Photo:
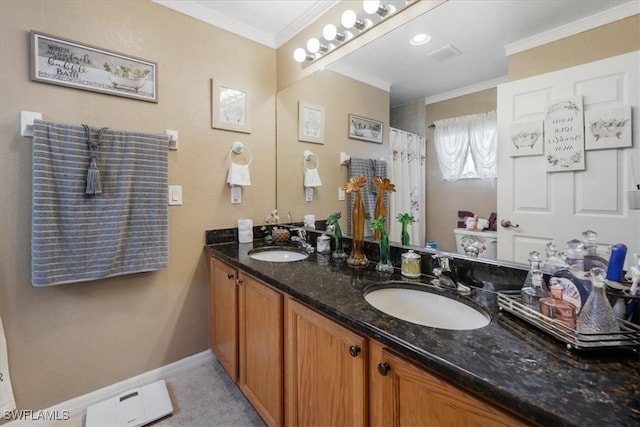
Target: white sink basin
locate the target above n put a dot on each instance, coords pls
(278, 254)
(427, 309)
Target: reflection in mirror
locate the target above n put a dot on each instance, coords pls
(429, 90)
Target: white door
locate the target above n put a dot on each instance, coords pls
(559, 206)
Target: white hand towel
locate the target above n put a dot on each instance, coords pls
(312, 178)
(245, 230)
(7, 402)
(238, 175)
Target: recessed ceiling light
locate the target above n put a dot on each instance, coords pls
(419, 39)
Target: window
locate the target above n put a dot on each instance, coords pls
(466, 147)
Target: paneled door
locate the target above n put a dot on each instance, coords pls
(559, 206)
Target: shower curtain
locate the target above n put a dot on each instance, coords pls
(407, 171)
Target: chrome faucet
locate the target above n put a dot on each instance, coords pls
(301, 239)
(447, 277)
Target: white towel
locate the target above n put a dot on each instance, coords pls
(238, 175)
(7, 402)
(312, 178)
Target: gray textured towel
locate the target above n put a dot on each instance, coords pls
(123, 230)
(371, 169)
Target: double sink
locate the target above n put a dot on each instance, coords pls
(409, 301)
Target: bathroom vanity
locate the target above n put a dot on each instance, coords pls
(305, 347)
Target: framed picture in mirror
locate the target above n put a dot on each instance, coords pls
(311, 123)
(231, 107)
(365, 129)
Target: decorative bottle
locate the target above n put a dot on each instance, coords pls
(534, 266)
(404, 220)
(332, 220)
(384, 264)
(597, 316)
(591, 257)
(575, 288)
(552, 263)
(556, 308)
(533, 292)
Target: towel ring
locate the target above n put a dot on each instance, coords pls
(308, 155)
(238, 148)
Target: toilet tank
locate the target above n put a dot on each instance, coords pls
(485, 241)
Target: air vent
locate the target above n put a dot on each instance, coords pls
(445, 53)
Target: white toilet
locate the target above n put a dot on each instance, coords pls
(486, 242)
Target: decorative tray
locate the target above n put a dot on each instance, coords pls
(629, 335)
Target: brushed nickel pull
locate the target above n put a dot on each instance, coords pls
(506, 223)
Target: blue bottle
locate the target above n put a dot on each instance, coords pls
(616, 262)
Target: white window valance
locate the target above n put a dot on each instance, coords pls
(466, 147)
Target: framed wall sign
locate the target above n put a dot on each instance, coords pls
(608, 127)
(365, 129)
(311, 123)
(231, 107)
(526, 139)
(564, 134)
(63, 62)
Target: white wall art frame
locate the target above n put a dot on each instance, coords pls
(527, 139)
(311, 120)
(608, 128)
(564, 134)
(230, 107)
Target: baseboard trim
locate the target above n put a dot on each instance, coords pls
(80, 404)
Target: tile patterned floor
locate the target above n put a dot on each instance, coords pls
(202, 396)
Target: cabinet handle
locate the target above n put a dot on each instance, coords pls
(354, 350)
(230, 276)
(239, 282)
(384, 368)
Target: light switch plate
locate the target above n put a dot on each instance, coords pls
(341, 194)
(175, 195)
(173, 139)
(236, 194)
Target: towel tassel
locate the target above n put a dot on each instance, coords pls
(94, 183)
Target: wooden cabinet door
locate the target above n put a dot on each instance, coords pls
(411, 396)
(261, 348)
(223, 306)
(324, 371)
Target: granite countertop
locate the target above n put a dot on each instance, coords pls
(508, 362)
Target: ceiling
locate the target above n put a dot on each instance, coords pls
(482, 30)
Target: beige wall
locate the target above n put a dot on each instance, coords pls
(445, 199)
(72, 339)
(603, 42)
(340, 96)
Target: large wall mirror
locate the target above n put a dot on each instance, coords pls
(419, 87)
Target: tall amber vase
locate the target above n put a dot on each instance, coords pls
(357, 257)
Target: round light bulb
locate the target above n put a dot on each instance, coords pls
(349, 18)
(371, 6)
(313, 45)
(329, 32)
(300, 54)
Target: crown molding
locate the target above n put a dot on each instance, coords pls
(204, 14)
(489, 84)
(585, 24)
(304, 21)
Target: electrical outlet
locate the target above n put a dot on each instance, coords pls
(341, 194)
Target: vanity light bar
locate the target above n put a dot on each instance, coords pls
(349, 20)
